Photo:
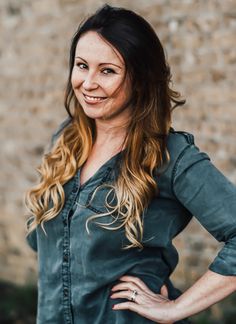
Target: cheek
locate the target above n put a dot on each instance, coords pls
(124, 93)
(76, 79)
(112, 87)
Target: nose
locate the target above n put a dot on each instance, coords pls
(90, 82)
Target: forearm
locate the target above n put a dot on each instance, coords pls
(208, 290)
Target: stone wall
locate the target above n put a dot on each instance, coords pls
(199, 38)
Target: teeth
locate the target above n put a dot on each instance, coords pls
(94, 98)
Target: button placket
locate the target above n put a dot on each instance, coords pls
(67, 215)
(66, 279)
(65, 257)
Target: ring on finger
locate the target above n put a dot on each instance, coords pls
(134, 294)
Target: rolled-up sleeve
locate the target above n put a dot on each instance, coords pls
(211, 198)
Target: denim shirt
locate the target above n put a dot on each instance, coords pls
(77, 270)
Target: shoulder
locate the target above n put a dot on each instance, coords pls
(61, 126)
(177, 141)
(58, 131)
(182, 151)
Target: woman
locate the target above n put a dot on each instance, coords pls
(118, 184)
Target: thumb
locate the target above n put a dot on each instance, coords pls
(164, 291)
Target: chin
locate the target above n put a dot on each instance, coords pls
(94, 112)
(93, 115)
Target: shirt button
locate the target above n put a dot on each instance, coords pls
(65, 292)
(64, 222)
(65, 257)
(74, 190)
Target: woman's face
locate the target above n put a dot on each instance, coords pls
(98, 79)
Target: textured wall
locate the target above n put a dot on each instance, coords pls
(199, 37)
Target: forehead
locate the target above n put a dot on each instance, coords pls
(91, 46)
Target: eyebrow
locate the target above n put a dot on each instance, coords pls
(99, 63)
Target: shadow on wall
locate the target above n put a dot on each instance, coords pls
(18, 305)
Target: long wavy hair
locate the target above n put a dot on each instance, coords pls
(146, 140)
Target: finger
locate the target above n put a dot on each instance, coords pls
(138, 282)
(127, 305)
(125, 286)
(164, 291)
(123, 294)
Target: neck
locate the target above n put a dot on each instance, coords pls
(110, 134)
(112, 128)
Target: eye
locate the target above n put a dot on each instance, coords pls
(82, 66)
(107, 71)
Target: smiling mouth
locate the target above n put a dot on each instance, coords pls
(94, 99)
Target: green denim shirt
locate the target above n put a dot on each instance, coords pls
(77, 269)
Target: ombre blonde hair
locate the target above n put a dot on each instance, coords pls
(152, 102)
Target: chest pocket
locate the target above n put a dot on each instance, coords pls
(102, 199)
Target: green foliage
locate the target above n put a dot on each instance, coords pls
(229, 309)
(224, 312)
(18, 303)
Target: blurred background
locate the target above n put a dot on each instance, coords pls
(199, 39)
